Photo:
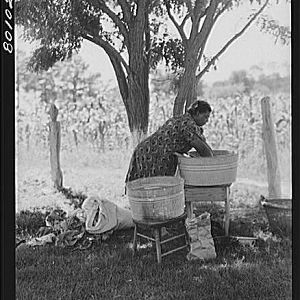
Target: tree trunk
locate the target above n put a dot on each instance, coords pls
(187, 92)
(134, 90)
(138, 115)
(135, 95)
(134, 84)
(138, 79)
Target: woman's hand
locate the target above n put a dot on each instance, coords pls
(202, 147)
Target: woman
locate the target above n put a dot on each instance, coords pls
(155, 156)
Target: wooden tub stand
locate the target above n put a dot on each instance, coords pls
(214, 193)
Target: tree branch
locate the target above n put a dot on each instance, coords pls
(189, 5)
(179, 27)
(199, 12)
(185, 19)
(202, 49)
(110, 50)
(231, 41)
(117, 61)
(211, 27)
(116, 20)
(222, 10)
(208, 22)
(122, 81)
(126, 10)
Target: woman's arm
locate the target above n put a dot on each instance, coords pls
(202, 147)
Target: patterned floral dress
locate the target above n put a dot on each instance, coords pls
(155, 155)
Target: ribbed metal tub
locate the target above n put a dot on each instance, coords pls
(156, 198)
(208, 171)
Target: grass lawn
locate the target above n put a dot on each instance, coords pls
(108, 270)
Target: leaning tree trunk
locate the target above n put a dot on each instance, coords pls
(133, 77)
(134, 90)
(187, 92)
(192, 45)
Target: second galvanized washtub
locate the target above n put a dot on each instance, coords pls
(156, 198)
(220, 169)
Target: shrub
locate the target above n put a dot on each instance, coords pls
(29, 222)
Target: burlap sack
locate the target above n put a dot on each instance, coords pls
(201, 241)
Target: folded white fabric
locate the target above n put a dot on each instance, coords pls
(103, 216)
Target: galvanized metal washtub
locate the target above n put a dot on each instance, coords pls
(221, 169)
(156, 198)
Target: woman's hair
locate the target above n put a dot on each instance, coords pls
(199, 107)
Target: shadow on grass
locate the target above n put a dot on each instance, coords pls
(109, 271)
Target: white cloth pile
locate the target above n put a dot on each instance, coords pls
(103, 216)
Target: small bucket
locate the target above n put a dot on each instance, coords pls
(279, 214)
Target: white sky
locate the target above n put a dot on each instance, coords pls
(253, 48)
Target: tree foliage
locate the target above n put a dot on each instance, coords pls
(194, 21)
(121, 28)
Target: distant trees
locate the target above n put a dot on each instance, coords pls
(275, 83)
(242, 81)
(86, 109)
